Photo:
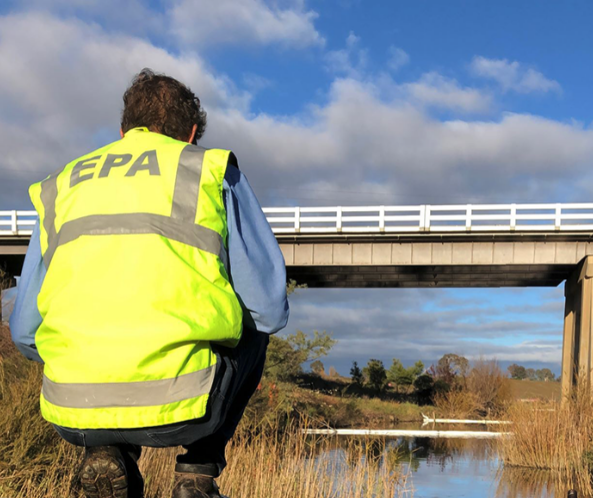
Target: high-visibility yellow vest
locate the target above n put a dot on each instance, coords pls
(133, 236)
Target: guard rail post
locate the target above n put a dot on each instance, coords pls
(13, 223)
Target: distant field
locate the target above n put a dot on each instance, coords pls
(529, 389)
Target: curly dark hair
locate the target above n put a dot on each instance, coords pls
(163, 105)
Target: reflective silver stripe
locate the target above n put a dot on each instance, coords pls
(187, 183)
(141, 223)
(49, 193)
(129, 394)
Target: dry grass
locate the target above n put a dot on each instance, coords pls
(486, 391)
(36, 463)
(289, 465)
(33, 462)
(378, 413)
(535, 389)
(490, 385)
(554, 436)
(457, 404)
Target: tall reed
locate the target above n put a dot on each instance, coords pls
(554, 436)
(290, 465)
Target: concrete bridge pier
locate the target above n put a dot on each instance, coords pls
(577, 361)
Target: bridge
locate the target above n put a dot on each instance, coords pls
(497, 245)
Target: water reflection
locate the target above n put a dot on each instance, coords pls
(527, 483)
(444, 468)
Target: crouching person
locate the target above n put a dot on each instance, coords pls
(149, 288)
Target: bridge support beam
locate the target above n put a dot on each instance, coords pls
(577, 351)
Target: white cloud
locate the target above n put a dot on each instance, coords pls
(76, 72)
(255, 83)
(61, 87)
(397, 58)
(438, 91)
(432, 89)
(197, 23)
(351, 61)
(394, 152)
(373, 141)
(206, 22)
(513, 76)
(410, 324)
(130, 16)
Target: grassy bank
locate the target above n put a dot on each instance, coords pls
(286, 402)
(536, 390)
(35, 463)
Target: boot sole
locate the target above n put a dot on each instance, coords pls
(104, 478)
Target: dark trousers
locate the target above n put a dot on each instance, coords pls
(238, 373)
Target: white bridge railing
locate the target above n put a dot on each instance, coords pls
(425, 218)
(17, 222)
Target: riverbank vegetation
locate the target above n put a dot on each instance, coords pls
(374, 396)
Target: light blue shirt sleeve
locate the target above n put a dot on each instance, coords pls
(257, 269)
(25, 318)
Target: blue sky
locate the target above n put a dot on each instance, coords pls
(335, 103)
(443, 37)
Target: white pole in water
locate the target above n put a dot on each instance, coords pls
(428, 420)
(407, 433)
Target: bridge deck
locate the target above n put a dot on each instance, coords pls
(434, 260)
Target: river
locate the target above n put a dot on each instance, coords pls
(450, 468)
(465, 469)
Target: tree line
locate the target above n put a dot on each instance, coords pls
(440, 375)
(519, 372)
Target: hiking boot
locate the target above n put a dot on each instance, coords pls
(188, 485)
(104, 474)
